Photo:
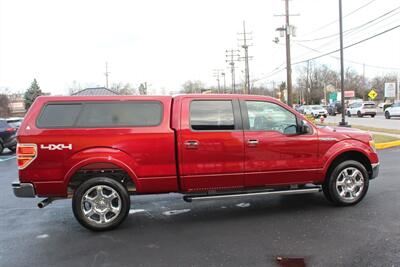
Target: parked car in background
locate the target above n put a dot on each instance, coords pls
(315, 111)
(334, 108)
(393, 111)
(367, 108)
(7, 136)
(383, 106)
(14, 122)
(300, 109)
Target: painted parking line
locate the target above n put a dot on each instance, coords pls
(7, 158)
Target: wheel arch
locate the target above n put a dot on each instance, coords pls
(101, 162)
(356, 155)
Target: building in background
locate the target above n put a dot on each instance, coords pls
(95, 91)
(16, 105)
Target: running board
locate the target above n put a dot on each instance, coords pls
(190, 198)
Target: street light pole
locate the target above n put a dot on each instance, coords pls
(343, 122)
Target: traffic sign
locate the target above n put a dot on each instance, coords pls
(372, 94)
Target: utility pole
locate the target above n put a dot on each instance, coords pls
(287, 31)
(217, 73)
(343, 122)
(224, 90)
(307, 83)
(245, 46)
(288, 60)
(232, 55)
(106, 74)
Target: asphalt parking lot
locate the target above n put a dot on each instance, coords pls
(379, 121)
(162, 230)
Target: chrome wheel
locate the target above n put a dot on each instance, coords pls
(350, 184)
(101, 204)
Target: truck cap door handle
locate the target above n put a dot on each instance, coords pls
(191, 144)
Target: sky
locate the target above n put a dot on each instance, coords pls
(166, 43)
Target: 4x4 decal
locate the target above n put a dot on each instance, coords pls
(56, 146)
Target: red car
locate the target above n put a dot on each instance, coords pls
(99, 150)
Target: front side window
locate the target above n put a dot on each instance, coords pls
(266, 116)
(206, 115)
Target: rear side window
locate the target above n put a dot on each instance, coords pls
(101, 114)
(206, 115)
(59, 115)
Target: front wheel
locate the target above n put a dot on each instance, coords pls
(387, 115)
(347, 184)
(101, 204)
(359, 114)
(348, 114)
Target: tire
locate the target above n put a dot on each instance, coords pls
(348, 114)
(372, 116)
(1, 147)
(387, 115)
(325, 115)
(13, 149)
(347, 184)
(359, 114)
(98, 206)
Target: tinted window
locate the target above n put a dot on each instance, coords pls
(369, 105)
(105, 114)
(266, 116)
(212, 115)
(119, 114)
(59, 115)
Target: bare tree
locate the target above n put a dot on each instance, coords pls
(192, 87)
(123, 89)
(4, 105)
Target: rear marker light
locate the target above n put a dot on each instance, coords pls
(26, 154)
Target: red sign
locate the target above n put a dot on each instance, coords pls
(349, 94)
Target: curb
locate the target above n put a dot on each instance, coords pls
(387, 145)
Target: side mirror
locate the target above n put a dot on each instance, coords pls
(304, 128)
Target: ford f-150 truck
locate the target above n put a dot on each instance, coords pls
(100, 150)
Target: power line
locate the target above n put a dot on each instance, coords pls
(333, 22)
(354, 28)
(349, 60)
(277, 70)
(348, 46)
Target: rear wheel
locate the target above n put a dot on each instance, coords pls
(359, 114)
(347, 184)
(348, 114)
(387, 115)
(1, 147)
(372, 116)
(101, 204)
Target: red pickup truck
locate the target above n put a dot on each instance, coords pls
(100, 150)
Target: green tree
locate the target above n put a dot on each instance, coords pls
(31, 94)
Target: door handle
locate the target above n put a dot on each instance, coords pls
(191, 144)
(252, 142)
